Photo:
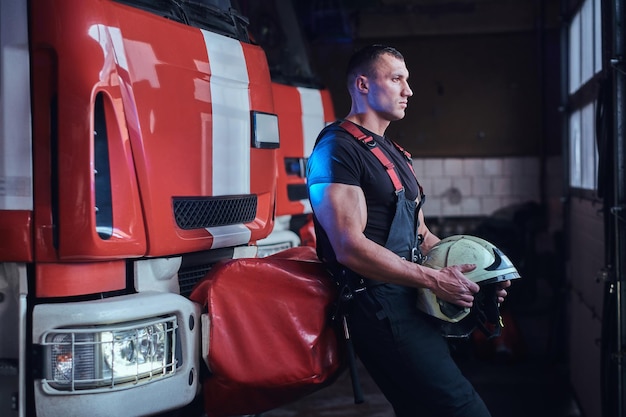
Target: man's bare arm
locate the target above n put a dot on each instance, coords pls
(342, 213)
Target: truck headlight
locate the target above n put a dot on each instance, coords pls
(107, 356)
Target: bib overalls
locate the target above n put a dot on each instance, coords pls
(401, 347)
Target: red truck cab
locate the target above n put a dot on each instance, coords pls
(138, 141)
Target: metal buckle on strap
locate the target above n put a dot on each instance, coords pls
(417, 256)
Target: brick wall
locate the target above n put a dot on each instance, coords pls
(459, 187)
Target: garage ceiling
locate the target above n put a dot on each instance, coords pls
(366, 19)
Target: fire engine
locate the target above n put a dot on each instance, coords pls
(138, 147)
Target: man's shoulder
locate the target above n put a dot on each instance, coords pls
(337, 148)
(334, 131)
(336, 158)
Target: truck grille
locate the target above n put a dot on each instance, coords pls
(196, 265)
(203, 212)
(188, 278)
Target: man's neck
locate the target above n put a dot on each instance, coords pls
(370, 122)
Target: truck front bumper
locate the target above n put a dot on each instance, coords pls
(128, 355)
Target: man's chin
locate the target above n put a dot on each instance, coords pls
(399, 116)
(392, 117)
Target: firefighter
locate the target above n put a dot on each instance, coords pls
(371, 233)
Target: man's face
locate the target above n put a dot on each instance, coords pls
(388, 88)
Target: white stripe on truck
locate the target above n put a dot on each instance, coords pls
(231, 129)
(231, 115)
(312, 117)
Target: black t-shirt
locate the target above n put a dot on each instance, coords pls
(339, 158)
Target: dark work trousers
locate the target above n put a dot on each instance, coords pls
(407, 357)
(401, 347)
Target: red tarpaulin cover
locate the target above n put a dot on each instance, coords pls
(270, 340)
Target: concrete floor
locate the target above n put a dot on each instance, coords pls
(532, 387)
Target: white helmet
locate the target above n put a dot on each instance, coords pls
(492, 266)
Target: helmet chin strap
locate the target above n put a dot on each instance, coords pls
(484, 316)
(487, 311)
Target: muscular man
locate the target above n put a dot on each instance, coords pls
(368, 230)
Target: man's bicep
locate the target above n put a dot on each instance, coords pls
(339, 207)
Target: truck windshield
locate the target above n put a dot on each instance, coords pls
(274, 25)
(219, 16)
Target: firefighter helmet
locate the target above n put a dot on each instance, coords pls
(492, 266)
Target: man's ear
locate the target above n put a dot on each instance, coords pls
(361, 83)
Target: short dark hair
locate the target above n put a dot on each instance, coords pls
(362, 61)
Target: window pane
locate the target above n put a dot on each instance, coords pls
(574, 54)
(587, 56)
(588, 148)
(597, 14)
(575, 174)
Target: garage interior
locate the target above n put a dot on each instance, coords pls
(489, 129)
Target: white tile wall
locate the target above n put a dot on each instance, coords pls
(485, 184)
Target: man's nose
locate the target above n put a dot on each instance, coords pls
(407, 90)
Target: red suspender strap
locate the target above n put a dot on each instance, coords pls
(371, 145)
(407, 155)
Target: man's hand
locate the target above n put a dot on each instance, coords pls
(452, 286)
